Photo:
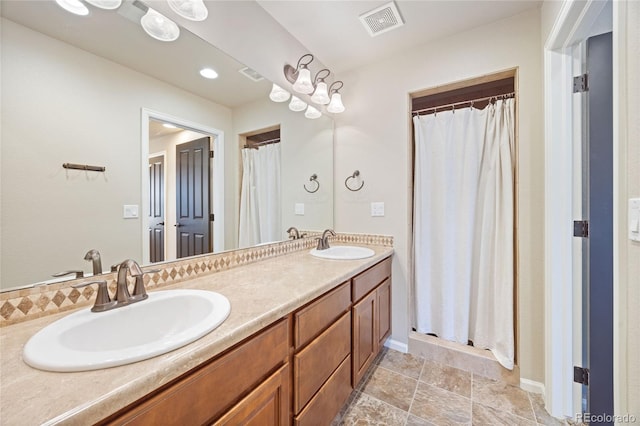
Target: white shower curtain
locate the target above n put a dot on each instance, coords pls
(463, 226)
(260, 200)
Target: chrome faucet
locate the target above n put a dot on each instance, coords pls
(294, 234)
(122, 289)
(93, 256)
(122, 297)
(323, 242)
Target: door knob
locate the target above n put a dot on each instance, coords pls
(161, 224)
(178, 225)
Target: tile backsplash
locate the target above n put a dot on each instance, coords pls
(29, 303)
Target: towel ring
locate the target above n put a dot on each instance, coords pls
(313, 178)
(353, 176)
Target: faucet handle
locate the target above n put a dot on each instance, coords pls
(103, 301)
(139, 291)
(79, 274)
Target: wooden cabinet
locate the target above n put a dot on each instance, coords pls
(371, 312)
(300, 369)
(208, 391)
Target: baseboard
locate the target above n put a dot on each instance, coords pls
(532, 386)
(396, 346)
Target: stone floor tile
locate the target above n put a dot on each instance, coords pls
(440, 406)
(391, 387)
(542, 416)
(502, 397)
(407, 364)
(483, 415)
(446, 377)
(366, 410)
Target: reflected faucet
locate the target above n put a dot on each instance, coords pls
(93, 256)
(294, 234)
(323, 242)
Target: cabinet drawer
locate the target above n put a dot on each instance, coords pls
(311, 320)
(315, 363)
(326, 404)
(370, 279)
(208, 392)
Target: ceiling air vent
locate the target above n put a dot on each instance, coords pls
(251, 74)
(382, 19)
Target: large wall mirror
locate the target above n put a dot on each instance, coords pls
(97, 90)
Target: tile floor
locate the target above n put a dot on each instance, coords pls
(401, 389)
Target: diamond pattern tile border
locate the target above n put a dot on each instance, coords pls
(25, 304)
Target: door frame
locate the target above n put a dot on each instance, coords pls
(563, 310)
(216, 189)
(162, 154)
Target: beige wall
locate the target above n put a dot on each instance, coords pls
(627, 285)
(373, 135)
(61, 104)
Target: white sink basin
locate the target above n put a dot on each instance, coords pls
(88, 340)
(343, 253)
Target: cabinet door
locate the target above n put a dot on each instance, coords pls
(267, 405)
(384, 311)
(365, 336)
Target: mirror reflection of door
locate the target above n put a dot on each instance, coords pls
(192, 200)
(156, 208)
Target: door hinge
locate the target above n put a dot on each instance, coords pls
(580, 83)
(581, 228)
(211, 217)
(210, 154)
(581, 375)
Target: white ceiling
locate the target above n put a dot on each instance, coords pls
(333, 33)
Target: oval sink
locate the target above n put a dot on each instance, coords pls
(343, 253)
(88, 340)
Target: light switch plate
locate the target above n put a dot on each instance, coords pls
(377, 209)
(299, 209)
(634, 219)
(130, 211)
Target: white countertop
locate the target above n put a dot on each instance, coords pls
(260, 293)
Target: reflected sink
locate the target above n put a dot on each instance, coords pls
(343, 253)
(88, 340)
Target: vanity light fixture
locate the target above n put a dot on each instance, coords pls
(105, 4)
(74, 6)
(312, 113)
(320, 95)
(336, 106)
(159, 26)
(194, 10)
(296, 104)
(300, 76)
(208, 73)
(278, 94)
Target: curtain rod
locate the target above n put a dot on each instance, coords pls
(470, 101)
(256, 145)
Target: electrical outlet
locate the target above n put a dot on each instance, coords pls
(377, 209)
(130, 211)
(299, 209)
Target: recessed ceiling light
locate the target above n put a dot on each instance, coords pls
(169, 126)
(208, 73)
(74, 6)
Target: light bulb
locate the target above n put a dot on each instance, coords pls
(105, 4)
(335, 106)
(74, 6)
(278, 94)
(194, 10)
(208, 73)
(159, 26)
(296, 104)
(311, 112)
(321, 96)
(303, 83)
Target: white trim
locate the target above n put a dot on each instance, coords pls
(573, 25)
(218, 172)
(396, 345)
(162, 154)
(532, 386)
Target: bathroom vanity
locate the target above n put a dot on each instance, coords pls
(301, 333)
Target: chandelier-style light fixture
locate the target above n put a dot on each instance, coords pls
(159, 26)
(300, 78)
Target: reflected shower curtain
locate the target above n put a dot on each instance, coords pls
(463, 226)
(260, 200)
